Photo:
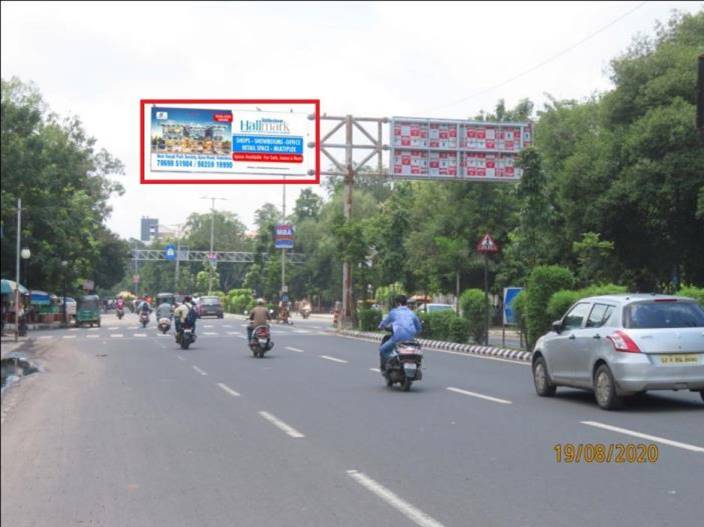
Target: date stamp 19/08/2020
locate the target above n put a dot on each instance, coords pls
(620, 453)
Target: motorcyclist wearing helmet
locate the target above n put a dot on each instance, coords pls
(405, 325)
(259, 316)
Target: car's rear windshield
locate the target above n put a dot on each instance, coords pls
(664, 314)
(211, 301)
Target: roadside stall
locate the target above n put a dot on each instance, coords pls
(42, 308)
(8, 289)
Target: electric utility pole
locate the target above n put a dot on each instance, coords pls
(17, 269)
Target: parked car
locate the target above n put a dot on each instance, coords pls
(620, 345)
(210, 306)
(70, 306)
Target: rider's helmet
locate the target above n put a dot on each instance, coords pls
(260, 301)
(186, 298)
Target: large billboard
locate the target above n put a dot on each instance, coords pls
(230, 142)
(457, 150)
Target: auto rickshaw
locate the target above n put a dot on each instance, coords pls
(169, 298)
(88, 310)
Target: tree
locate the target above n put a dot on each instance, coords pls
(64, 184)
(307, 206)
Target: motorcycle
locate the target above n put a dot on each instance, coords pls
(185, 336)
(404, 365)
(164, 325)
(260, 342)
(120, 311)
(305, 311)
(144, 319)
(283, 317)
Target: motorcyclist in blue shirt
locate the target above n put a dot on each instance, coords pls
(404, 324)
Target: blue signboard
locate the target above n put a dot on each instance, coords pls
(170, 252)
(510, 294)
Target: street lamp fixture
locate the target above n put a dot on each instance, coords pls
(25, 253)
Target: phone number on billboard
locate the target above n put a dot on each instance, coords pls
(199, 164)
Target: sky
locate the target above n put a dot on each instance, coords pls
(96, 60)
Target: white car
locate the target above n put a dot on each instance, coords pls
(70, 306)
(434, 308)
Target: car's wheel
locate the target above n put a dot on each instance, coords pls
(541, 379)
(605, 389)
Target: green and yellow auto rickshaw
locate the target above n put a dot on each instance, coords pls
(88, 310)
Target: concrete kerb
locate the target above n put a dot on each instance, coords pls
(489, 351)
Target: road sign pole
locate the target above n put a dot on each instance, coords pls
(178, 258)
(486, 297)
(347, 211)
(17, 270)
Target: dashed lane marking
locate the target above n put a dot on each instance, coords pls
(116, 335)
(414, 514)
(333, 359)
(228, 389)
(656, 439)
(478, 395)
(294, 349)
(278, 423)
(199, 370)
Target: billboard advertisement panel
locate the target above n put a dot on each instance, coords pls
(230, 142)
(283, 237)
(458, 150)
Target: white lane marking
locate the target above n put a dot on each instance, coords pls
(228, 389)
(479, 395)
(199, 370)
(414, 514)
(208, 326)
(655, 439)
(113, 328)
(209, 332)
(227, 325)
(139, 335)
(377, 370)
(45, 337)
(301, 331)
(93, 329)
(333, 359)
(73, 329)
(69, 336)
(116, 335)
(163, 335)
(179, 357)
(294, 349)
(92, 336)
(278, 423)
(234, 333)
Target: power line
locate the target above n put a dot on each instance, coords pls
(546, 61)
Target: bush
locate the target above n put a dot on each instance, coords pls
(543, 282)
(444, 325)
(697, 293)
(473, 305)
(369, 319)
(239, 300)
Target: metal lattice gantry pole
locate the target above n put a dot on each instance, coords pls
(349, 169)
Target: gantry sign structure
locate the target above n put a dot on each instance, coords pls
(430, 149)
(152, 255)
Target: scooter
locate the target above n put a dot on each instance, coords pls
(404, 365)
(260, 342)
(305, 311)
(185, 336)
(164, 325)
(144, 319)
(120, 313)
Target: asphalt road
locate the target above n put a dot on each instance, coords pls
(125, 429)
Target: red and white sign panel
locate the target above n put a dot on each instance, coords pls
(487, 245)
(460, 150)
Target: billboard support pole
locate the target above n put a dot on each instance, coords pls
(348, 171)
(283, 250)
(486, 297)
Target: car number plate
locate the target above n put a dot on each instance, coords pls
(679, 359)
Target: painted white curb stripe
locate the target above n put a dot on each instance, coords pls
(199, 370)
(333, 359)
(278, 423)
(228, 389)
(294, 349)
(479, 395)
(414, 514)
(655, 439)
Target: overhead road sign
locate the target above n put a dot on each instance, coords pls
(457, 149)
(170, 252)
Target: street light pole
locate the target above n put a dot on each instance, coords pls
(212, 238)
(17, 270)
(64, 266)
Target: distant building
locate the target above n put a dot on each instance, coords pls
(150, 229)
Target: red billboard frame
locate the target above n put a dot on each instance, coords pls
(315, 181)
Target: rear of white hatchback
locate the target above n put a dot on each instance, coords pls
(620, 345)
